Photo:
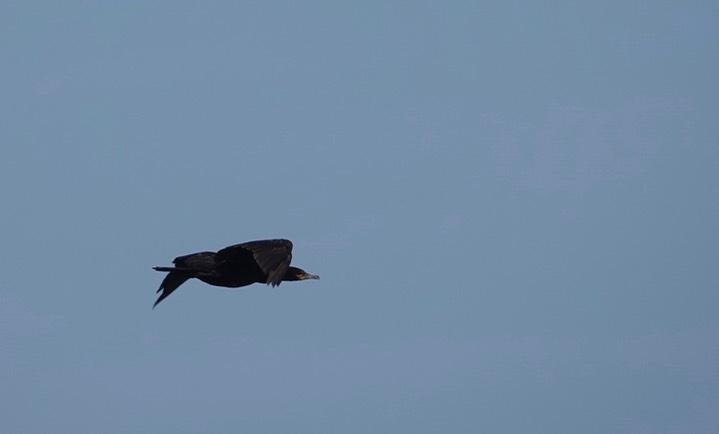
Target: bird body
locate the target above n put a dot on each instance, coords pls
(263, 261)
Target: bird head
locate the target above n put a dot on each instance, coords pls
(294, 273)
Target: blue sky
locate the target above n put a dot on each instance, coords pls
(513, 208)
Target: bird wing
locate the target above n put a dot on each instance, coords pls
(272, 256)
(186, 267)
(201, 262)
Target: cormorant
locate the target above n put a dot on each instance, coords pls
(263, 261)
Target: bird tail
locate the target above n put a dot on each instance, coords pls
(171, 282)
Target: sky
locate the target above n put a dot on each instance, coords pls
(513, 208)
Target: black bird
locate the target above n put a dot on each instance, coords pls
(264, 261)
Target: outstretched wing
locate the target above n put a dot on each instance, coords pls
(273, 257)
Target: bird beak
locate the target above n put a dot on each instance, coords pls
(309, 276)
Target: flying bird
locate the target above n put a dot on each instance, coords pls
(263, 261)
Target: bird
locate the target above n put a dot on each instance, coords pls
(261, 261)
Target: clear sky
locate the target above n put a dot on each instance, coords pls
(513, 206)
